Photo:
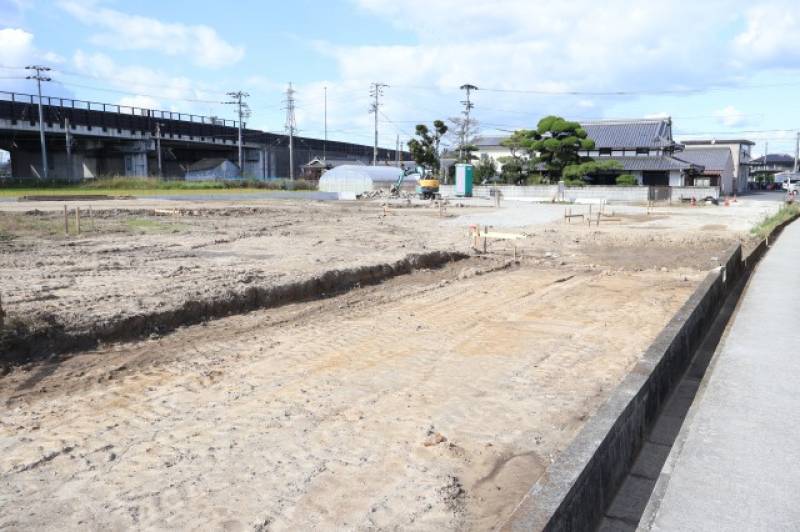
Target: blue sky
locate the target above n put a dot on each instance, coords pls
(719, 68)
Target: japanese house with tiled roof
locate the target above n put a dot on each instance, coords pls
(646, 149)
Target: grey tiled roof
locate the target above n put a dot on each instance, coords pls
(630, 134)
(615, 134)
(718, 141)
(709, 158)
(774, 158)
(489, 141)
(650, 162)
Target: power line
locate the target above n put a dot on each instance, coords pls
(127, 81)
(130, 93)
(687, 90)
(396, 126)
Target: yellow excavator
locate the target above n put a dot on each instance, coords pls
(427, 185)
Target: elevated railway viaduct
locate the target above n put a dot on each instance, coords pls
(89, 139)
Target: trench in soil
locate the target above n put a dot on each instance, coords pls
(19, 344)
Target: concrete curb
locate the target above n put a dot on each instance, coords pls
(578, 487)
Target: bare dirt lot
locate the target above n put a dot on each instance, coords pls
(431, 400)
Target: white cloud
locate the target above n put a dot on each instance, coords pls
(124, 31)
(771, 37)
(142, 102)
(580, 46)
(150, 88)
(17, 50)
(659, 115)
(17, 46)
(730, 116)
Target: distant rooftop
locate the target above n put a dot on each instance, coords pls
(717, 141)
(716, 159)
(489, 141)
(629, 134)
(774, 158)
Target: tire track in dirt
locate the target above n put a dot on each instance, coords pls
(322, 414)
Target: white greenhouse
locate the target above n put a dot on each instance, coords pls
(354, 179)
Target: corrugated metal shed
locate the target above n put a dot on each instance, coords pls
(212, 168)
(712, 159)
(630, 134)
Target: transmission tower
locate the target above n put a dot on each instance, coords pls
(468, 106)
(291, 126)
(39, 77)
(241, 110)
(376, 91)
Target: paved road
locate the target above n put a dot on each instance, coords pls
(736, 462)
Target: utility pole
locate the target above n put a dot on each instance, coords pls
(376, 91)
(468, 105)
(158, 150)
(397, 151)
(68, 139)
(290, 126)
(325, 142)
(39, 79)
(796, 152)
(238, 97)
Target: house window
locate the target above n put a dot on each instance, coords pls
(605, 151)
(642, 151)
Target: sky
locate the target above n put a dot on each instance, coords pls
(720, 69)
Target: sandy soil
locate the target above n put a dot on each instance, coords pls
(432, 401)
(135, 262)
(131, 261)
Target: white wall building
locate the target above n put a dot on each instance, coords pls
(740, 152)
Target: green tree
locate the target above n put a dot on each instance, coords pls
(589, 168)
(627, 180)
(557, 143)
(519, 142)
(485, 169)
(512, 170)
(425, 147)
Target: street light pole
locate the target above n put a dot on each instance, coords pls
(39, 79)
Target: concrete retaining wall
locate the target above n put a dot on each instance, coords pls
(610, 194)
(544, 192)
(694, 192)
(580, 485)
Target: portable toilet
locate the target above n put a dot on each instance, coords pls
(464, 180)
